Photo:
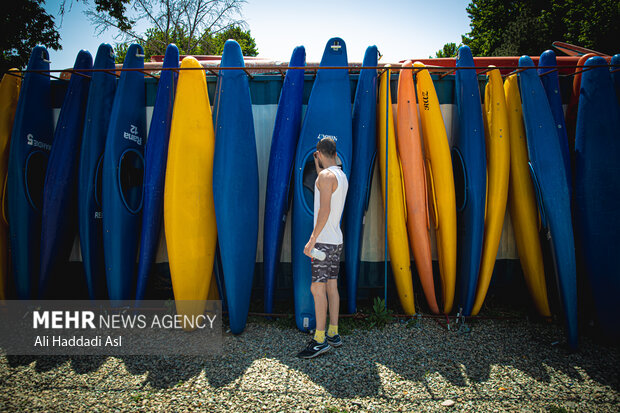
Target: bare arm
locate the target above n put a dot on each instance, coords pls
(326, 183)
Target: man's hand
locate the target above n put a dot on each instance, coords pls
(309, 246)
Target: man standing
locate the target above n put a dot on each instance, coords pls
(330, 192)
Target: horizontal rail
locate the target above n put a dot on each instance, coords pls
(442, 70)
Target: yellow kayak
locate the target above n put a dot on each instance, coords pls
(498, 172)
(398, 241)
(440, 182)
(9, 94)
(522, 202)
(189, 212)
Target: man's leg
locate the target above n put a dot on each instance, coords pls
(320, 308)
(334, 298)
(334, 301)
(320, 274)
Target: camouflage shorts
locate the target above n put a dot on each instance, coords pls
(329, 267)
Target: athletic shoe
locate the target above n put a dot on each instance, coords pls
(334, 341)
(314, 349)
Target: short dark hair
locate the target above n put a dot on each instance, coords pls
(327, 146)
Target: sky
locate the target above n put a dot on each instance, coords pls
(401, 29)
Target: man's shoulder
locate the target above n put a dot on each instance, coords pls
(327, 174)
(327, 179)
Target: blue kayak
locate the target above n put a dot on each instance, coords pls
(122, 172)
(59, 213)
(281, 157)
(156, 155)
(597, 189)
(31, 141)
(551, 84)
(470, 179)
(98, 110)
(615, 74)
(235, 185)
(362, 168)
(328, 115)
(552, 188)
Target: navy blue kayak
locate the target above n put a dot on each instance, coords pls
(328, 115)
(551, 84)
(470, 179)
(31, 141)
(156, 155)
(362, 168)
(97, 119)
(122, 173)
(281, 157)
(235, 185)
(597, 189)
(552, 188)
(615, 74)
(59, 213)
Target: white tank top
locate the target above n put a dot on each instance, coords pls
(331, 233)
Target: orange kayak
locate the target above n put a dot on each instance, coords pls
(410, 153)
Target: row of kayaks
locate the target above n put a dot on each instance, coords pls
(97, 173)
(94, 174)
(521, 133)
(513, 150)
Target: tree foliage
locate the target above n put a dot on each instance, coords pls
(195, 26)
(190, 24)
(25, 24)
(156, 43)
(244, 38)
(116, 10)
(517, 27)
(448, 50)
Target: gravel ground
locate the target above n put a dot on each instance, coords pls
(501, 365)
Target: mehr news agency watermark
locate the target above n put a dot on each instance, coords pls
(111, 328)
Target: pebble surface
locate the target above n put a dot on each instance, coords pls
(501, 365)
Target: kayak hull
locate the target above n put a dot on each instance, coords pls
(440, 180)
(156, 154)
(362, 167)
(59, 213)
(281, 158)
(189, 211)
(31, 141)
(235, 185)
(122, 172)
(553, 192)
(97, 119)
(394, 197)
(470, 180)
(597, 189)
(328, 114)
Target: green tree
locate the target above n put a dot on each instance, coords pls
(25, 24)
(516, 27)
(448, 50)
(215, 44)
(156, 43)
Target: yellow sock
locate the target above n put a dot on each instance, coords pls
(332, 330)
(319, 336)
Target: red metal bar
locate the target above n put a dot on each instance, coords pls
(444, 71)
